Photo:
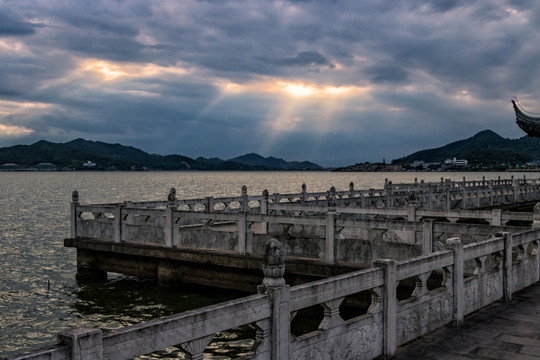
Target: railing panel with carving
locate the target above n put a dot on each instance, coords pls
(183, 328)
(357, 338)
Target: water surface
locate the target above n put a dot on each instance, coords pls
(38, 292)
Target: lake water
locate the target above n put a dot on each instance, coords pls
(38, 292)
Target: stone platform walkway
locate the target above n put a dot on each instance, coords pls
(501, 331)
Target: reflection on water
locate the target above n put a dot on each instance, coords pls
(38, 292)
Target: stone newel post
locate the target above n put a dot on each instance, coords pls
(74, 204)
(304, 193)
(169, 222)
(536, 216)
(264, 211)
(280, 293)
(330, 249)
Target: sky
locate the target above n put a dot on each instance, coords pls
(334, 82)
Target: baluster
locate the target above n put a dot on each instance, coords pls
(262, 336)
(376, 298)
(480, 265)
(421, 288)
(520, 253)
(448, 276)
(332, 318)
(533, 249)
(195, 348)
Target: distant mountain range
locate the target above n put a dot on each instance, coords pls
(486, 147)
(73, 154)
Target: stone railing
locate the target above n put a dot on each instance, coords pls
(329, 233)
(443, 195)
(441, 293)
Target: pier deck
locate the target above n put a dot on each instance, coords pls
(503, 330)
(210, 240)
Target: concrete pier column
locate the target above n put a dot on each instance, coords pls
(83, 343)
(457, 280)
(389, 304)
(89, 266)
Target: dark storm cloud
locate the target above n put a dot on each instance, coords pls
(301, 59)
(432, 72)
(386, 73)
(12, 25)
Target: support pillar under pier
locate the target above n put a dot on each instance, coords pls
(90, 274)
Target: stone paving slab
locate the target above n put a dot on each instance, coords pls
(500, 331)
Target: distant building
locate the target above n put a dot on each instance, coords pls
(9, 166)
(456, 162)
(89, 165)
(46, 166)
(393, 167)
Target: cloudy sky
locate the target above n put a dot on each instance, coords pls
(334, 81)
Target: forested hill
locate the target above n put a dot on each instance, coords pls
(106, 156)
(486, 147)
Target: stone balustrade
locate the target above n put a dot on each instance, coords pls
(443, 195)
(329, 232)
(442, 293)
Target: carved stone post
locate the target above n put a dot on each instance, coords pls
(389, 304)
(264, 211)
(427, 237)
(169, 222)
(74, 204)
(209, 204)
(118, 223)
(245, 199)
(304, 193)
(389, 191)
(280, 293)
(507, 267)
(536, 216)
(242, 233)
(457, 280)
(496, 217)
(83, 343)
(330, 251)
(515, 189)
